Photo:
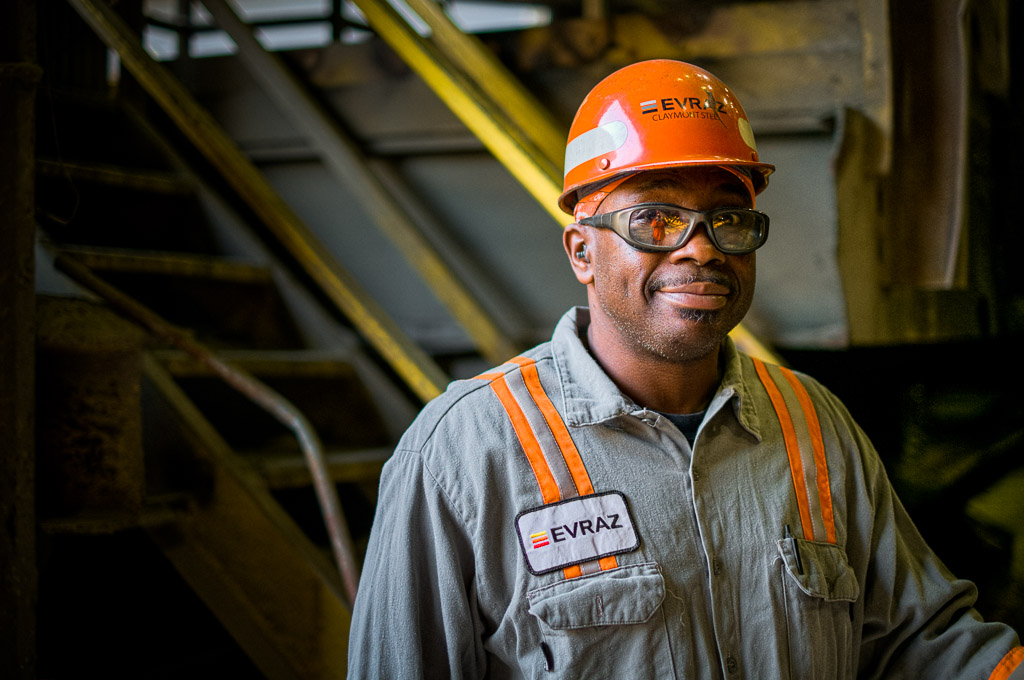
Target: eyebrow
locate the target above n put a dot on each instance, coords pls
(656, 183)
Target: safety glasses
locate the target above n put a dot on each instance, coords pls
(660, 227)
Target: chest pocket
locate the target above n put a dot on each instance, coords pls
(609, 624)
(817, 592)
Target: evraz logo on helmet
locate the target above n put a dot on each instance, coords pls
(669, 108)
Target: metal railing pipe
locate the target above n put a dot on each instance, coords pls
(262, 395)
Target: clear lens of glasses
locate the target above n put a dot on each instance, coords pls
(666, 227)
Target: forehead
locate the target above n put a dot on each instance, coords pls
(697, 188)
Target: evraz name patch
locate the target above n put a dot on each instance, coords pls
(575, 531)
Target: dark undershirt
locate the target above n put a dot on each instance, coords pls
(688, 423)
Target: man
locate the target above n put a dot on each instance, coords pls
(637, 498)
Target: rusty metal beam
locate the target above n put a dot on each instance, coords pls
(422, 375)
(19, 77)
(349, 166)
(876, 71)
(862, 224)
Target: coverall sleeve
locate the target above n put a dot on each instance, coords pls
(415, 613)
(919, 620)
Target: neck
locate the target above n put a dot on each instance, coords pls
(654, 382)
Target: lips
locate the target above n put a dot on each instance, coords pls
(697, 288)
(710, 291)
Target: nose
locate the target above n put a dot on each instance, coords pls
(698, 248)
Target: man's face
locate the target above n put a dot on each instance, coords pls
(676, 306)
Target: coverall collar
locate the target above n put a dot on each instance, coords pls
(590, 397)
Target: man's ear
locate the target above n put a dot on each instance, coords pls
(577, 242)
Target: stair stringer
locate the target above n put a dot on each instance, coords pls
(271, 588)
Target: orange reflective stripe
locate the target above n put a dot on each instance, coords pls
(796, 466)
(546, 482)
(570, 454)
(818, 444)
(1008, 665)
(535, 452)
(575, 571)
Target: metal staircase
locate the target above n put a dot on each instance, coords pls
(177, 455)
(180, 525)
(221, 488)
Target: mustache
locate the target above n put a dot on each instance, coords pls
(701, 276)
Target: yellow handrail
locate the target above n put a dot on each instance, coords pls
(418, 371)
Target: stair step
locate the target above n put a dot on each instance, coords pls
(155, 181)
(325, 387)
(101, 181)
(170, 264)
(262, 363)
(247, 559)
(158, 510)
(78, 125)
(288, 470)
(72, 211)
(227, 302)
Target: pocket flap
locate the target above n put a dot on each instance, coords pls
(826, 569)
(618, 596)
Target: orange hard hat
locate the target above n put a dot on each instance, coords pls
(657, 114)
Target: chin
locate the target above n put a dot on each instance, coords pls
(701, 316)
(686, 347)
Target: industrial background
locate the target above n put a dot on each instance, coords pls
(243, 241)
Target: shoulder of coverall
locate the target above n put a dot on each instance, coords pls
(466, 404)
